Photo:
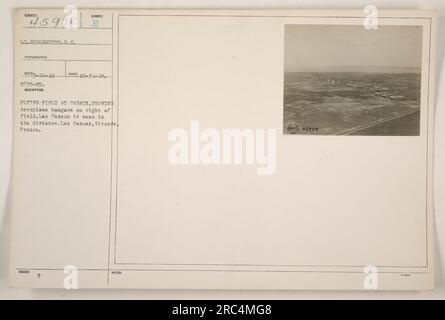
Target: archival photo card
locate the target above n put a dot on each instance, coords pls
(348, 80)
(152, 149)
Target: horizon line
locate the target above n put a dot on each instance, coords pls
(346, 68)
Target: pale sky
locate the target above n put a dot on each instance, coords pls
(343, 48)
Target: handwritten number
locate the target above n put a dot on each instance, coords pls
(56, 21)
(44, 22)
(33, 22)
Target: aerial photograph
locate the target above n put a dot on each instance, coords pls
(347, 80)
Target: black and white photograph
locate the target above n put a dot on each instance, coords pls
(225, 158)
(348, 80)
